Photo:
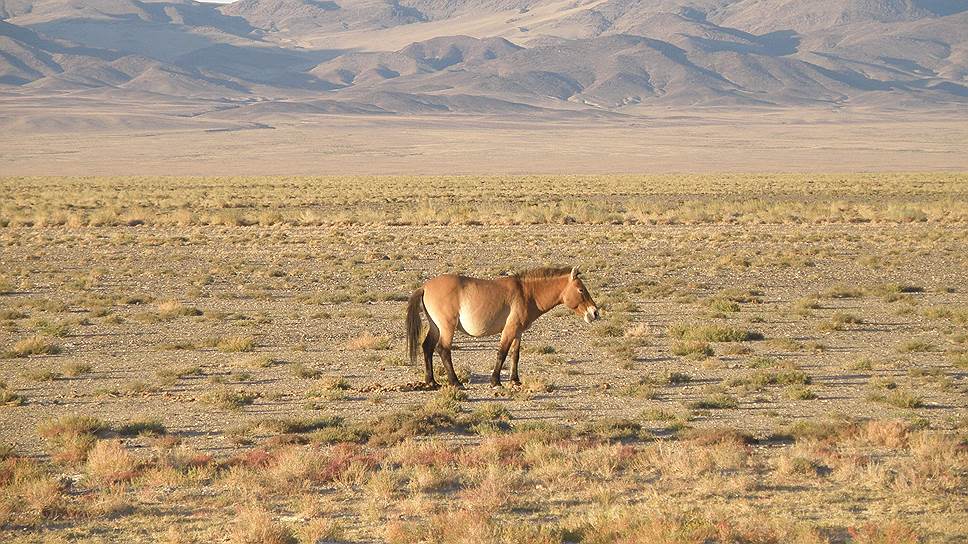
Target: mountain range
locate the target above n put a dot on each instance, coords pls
(253, 58)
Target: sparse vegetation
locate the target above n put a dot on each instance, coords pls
(367, 341)
(839, 322)
(302, 371)
(171, 309)
(254, 525)
(716, 401)
(234, 344)
(228, 399)
(292, 388)
(722, 305)
(805, 304)
(896, 397)
(785, 376)
(916, 346)
(692, 348)
(78, 369)
(71, 436)
(644, 389)
(711, 333)
(171, 375)
(799, 392)
(34, 345)
(57, 329)
(844, 291)
(10, 398)
(42, 375)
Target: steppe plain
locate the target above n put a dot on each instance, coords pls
(194, 359)
(69, 137)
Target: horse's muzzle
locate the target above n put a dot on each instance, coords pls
(592, 314)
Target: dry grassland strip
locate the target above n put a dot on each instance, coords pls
(782, 359)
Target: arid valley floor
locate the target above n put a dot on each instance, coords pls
(73, 137)
(782, 358)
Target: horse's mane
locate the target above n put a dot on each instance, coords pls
(542, 273)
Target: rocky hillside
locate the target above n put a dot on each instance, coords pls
(501, 56)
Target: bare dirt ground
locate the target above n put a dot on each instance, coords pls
(791, 352)
(86, 137)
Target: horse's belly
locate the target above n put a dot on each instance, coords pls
(482, 323)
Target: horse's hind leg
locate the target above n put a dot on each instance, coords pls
(446, 342)
(429, 346)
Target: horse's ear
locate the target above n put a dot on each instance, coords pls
(574, 273)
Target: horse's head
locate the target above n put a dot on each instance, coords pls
(576, 297)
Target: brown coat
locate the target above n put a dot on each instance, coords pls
(479, 307)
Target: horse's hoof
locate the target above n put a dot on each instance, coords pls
(432, 386)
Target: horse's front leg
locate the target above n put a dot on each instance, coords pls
(502, 354)
(515, 355)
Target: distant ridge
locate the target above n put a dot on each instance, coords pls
(494, 57)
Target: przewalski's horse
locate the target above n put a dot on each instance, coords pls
(506, 305)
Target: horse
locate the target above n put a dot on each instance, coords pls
(481, 307)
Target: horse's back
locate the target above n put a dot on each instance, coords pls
(457, 285)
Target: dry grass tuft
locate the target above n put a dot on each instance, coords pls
(900, 398)
(639, 330)
(228, 399)
(34, 345)
(71, 436)
(43, 499)
(111, 502)
(292, 466)
(366, 341)
(884, 532)
(70, 424)
(889, 433)
(10, 398)
(108, 462)
(715, 401)
(839, 321)
(78, 369)
(319, 530)
(170, 309)
(711, 333)
(305, 372)
(717, 435)
(256, 526)
(493, 492)
(937, 464)
(824, 430)
(693, 349)
(42, 375)
(235, 344)
(916, 346)
(844, 291)
(799, 392)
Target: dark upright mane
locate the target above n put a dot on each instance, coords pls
(542, 273)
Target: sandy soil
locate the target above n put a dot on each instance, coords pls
(91, 139)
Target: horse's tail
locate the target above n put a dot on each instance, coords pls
(413, 324)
